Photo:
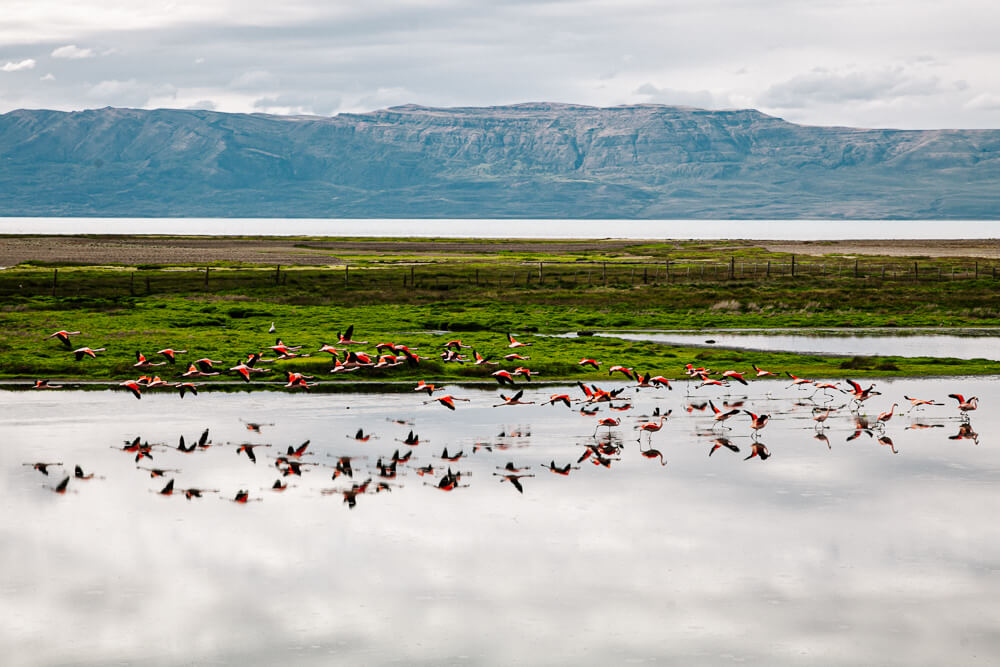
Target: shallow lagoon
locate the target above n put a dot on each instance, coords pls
(839, 554)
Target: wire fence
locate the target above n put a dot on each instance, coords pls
(445, 275)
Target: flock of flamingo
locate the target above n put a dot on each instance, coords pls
(603, 447)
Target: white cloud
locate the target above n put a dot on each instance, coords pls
(48, 77)
(985, 101)
(27, 63)
(72, 52)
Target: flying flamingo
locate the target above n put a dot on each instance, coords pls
(919, 403)
(133, 387)
(513, 343)
(63, 336)
(965, 406)
(447, 401)
(762, 373)
(797, 381)
(514, 479)
(82, 352)
(560, 470)
(514, 400)
(721, 416)
(170, 354)
(627, 372)
(593, 363)
(559, 398)
(45, 384)
(733, 375)
(345, 339)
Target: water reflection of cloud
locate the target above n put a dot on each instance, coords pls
(846, 555)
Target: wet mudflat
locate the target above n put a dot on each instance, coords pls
(840, 548)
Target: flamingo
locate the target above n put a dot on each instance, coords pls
(361, 436)
(483, 361)
(184, 387)
(757, 421)
(886, 416)
(651, 427)
(762, 373)
(861, 395)
(797, 381)
(965, 406)
(919, 403)
(249, 451)
(411, 439)
(525, 372)
(514, 479)
(733, 375)
(133, 387)
(514, 400)
(194, 372)
(607, 421)
(660, 381)
(559, 398)
(168, 489)
(456, 343)
(627, 372)
(82, 352)
(721, 416)
(43, 467)
(205, 365)
(560, 470)
(447, 401)
(346, 337)
(451, 457)
(593, 363)
(820, 415)
(63, 336)
(512, 343)
(45, 384)
(503, 377)
(514, 356)
(170, 354)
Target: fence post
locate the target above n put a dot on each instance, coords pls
(793, 266)
(855, 268)
(668, 271)
(604, 274)
(732, 267)
(55, 280)
(977, 270)
(539, 273)
(916, 276)
(206, 276)
(411, 276)
(277, 274)
(347, 274)
(768, 268)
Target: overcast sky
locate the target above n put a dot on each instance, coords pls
(870, 63)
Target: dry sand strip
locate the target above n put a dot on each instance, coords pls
(137, 250)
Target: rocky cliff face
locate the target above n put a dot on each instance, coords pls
(526, 160)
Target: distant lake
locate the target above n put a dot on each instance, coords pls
(791, 230)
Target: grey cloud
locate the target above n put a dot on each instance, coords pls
(130, 93)
(702, 99)
(824, 86)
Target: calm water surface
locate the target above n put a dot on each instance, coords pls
(793, 230)
(981, 345)
(830, 552)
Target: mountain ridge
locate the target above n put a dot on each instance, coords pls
(534, 159)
